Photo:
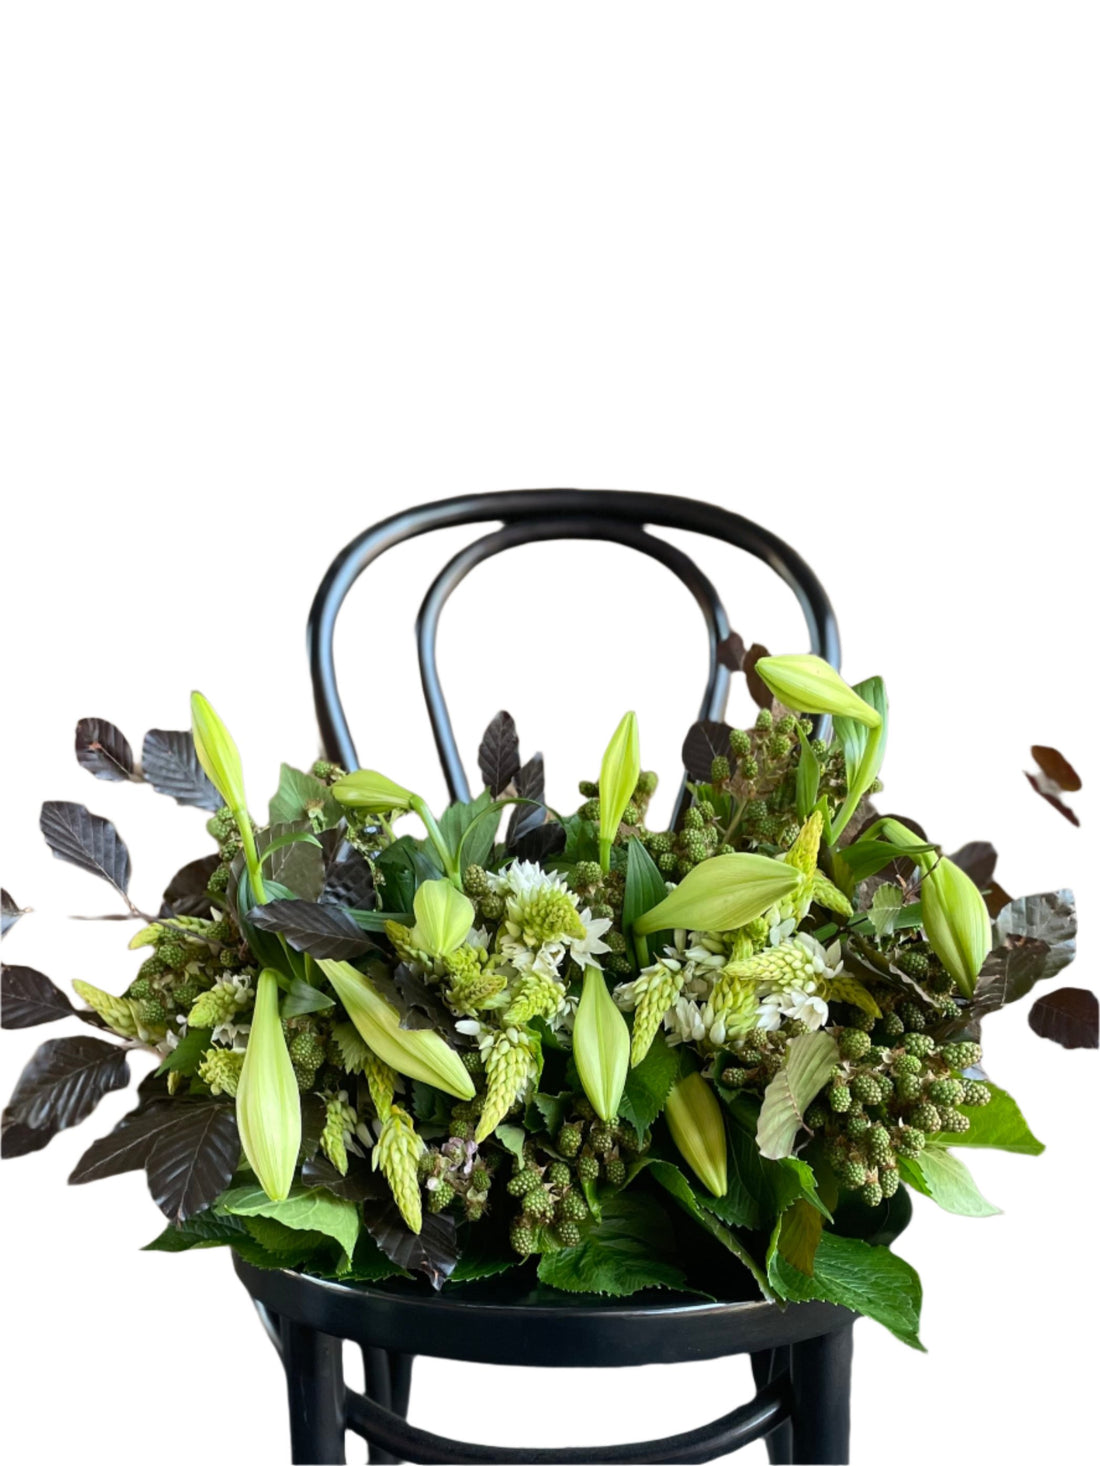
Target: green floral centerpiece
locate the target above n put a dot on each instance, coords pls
(712, 1059)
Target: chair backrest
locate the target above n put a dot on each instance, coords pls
(529, 515)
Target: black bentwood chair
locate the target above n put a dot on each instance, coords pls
(801, 1354)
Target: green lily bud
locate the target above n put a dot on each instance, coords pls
(269, 1112)
(695, 1122)
(722, 893)
(807, 684)
(217, 753)
(955, 922)
(619, 773)
(601, 1046)
(417, 1052)
(366, 789)
(444, 917)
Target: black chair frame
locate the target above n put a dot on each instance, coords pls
(801, 1354)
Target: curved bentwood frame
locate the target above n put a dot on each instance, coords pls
(801, 1353)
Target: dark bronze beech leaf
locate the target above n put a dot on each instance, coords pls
(29, 997)
(349, 880)
(103, 750)
(758, 690)
(10, 912)
(193, 1162)
(1071, 1017)
(169, 762)
(1057, 768)
(314, 1115)
(530, 783)
(540, 843)
(322, 931)
(130, 1144)
(498, 756)
(64, 1081)
(434, 1252)
(1052, 798)
(86, 840)
(705, 741)
(186, 893)
(979, 860)
(17, 1140)
(731, 652)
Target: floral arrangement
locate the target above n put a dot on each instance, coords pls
(711, 1059)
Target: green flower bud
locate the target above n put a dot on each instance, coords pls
(722, 893)
(368, 790)
(601, 1045)
(269, 1113)
(619, 773)
(218, 754)
(695, 1123)
(956, 921)
(808, 684)
(444, 917)
(419, 1053)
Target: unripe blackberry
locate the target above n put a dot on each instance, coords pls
(751, 1056)
(647, 783)
(734, 1078)
(953, 1121)
(631, 815)
(836, 1151)
(601, 1139)
(590, 809)
(667, 863)
(857, 1123)
(975, 1093)
(920, 1044)
(559, 1175)
(152, 1012)
(492, 906)
(588, 789)
(616, 1171)
(523, 1238)
(694, 846)
(945, 1091)
(476, 882)
(172, 952)
(840, 1098)
(719, 770)
(866, 1089)
(588, 1168)
(908, 1141)
(725, 849)
(914, 963)
(693, 818)
(962, 1055)
(787, 725)
(861, 1020)
(537, 1203)
(925, 1117)
(475, 1064)
(141, 987)
(907, 1064)
(912, 1017)
(748, 768)
(479, 1179)
(523, 1183)
(755, 811)
(568, 1234)
(574, 1208)
(949, 1010)
(878, 1144)
(816, 1117)
(706, 809)
(587, 873)
(854, 1043)
(740, 743)
(891, 1026)
(764, 718)
(441, 1197)
(889, 1180)
(908, 1088)
(871, 1194)
(619, 964)
(885, 1087)
(852, 1175)
(778, 746)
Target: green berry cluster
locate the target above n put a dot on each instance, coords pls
(455, 1175)
(551, 1206)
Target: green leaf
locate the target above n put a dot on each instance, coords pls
(188, 1053)
(430, 1105)
(807, 778)
(471, 828)
(630, 1248)
(293, 1247)
(871, 1280)
(645, 888)
(684, 1194)
(304, 1209)
(797, 1236)
(302, 797)
(204, 1229)
(553, 1109)
(810, 1058)
(863, 746)
(303, 997)
(648, 1084)
(999, 1125)
(867, 856)
(942, 1176)
(886, 906)
(512, 1138)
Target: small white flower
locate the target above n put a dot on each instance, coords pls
(587, 950)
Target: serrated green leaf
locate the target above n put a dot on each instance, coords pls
(648, 1085)
(303, 997)
(204, 1229)
(810, 1058)
(691, 1201)
(304, 1210)
(886, 906)
(871, 1280)
(797, 1236)
(188, 1053)
(512, 1138)
(354, 1052)
(630, 1248)
(943, 1177)
(552, 1109)
(300, 796)
(999, 1125)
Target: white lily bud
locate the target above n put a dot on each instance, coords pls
(956, 922)
(695, 1121)
(269, 1110)
(601, 1046)
(619, 773)
(807, 684)
(722, 893)
(217, 753)
(369, 790)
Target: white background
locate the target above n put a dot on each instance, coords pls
(271, 274)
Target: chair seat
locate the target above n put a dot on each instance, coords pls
(505, 1320)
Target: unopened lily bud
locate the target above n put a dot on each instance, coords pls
(417, 1052)
(269, 1112)
(722, 893)
(619, 773)
(807, 684)
(695, 1121)
(444, 917)
(369, 790)
(217, 753)
(956, 922)
(601, 1046)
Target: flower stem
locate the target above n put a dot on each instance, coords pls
(435, 834)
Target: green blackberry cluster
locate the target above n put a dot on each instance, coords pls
(699, 837)
(455, 1176)
(551, 1205)
(327, 772)
(760, 1057)
(635, 812)
(894, 1087)
(308, 1047)
(183, 964)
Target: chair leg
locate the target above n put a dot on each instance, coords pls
(388, 1379)
(315, 1393)
(821, 1386)
(401, 1368)
(769, 1364)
